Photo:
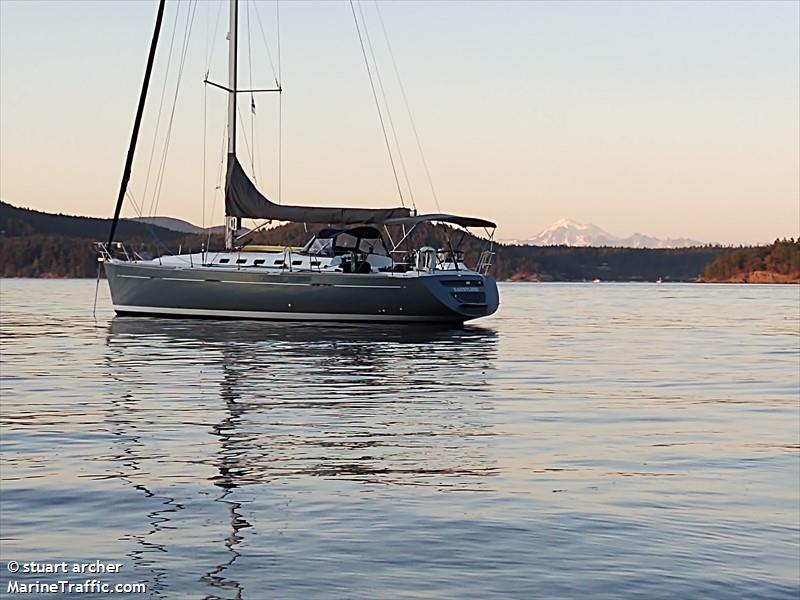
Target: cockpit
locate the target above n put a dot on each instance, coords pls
(355, 250)
(339, 242)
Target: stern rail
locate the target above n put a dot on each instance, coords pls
(485, 262)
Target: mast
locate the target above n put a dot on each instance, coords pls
(126, 172)
(232, 223)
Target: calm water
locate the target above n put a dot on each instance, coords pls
(604, 441)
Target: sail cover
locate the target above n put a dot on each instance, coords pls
(242, 199)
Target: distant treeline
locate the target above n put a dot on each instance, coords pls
(37, 244)
(563, 263)
(778, 263)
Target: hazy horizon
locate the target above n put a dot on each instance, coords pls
(676, 120)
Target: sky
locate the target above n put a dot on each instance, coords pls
(673, 119)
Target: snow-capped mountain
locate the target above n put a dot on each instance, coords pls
(639, 240)
(566, 232)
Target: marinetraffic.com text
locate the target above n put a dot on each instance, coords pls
(67, 578)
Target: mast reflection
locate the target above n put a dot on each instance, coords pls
(391, 406)
(229, 468)
(127, 450)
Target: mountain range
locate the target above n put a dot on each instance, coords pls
(566, 232)
(178, 225)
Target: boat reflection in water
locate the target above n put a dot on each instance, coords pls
(279, 413)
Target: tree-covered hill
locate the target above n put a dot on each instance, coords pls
(16, 222)
(564, 263)
(777, 263)
(40, 244)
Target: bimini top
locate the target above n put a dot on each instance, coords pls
(365, 232)
(242, 199)
(441, 218)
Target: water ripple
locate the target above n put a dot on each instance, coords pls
(632, 440)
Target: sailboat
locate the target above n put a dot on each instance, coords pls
(351, 270)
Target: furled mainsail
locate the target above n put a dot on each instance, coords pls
(242, 199)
